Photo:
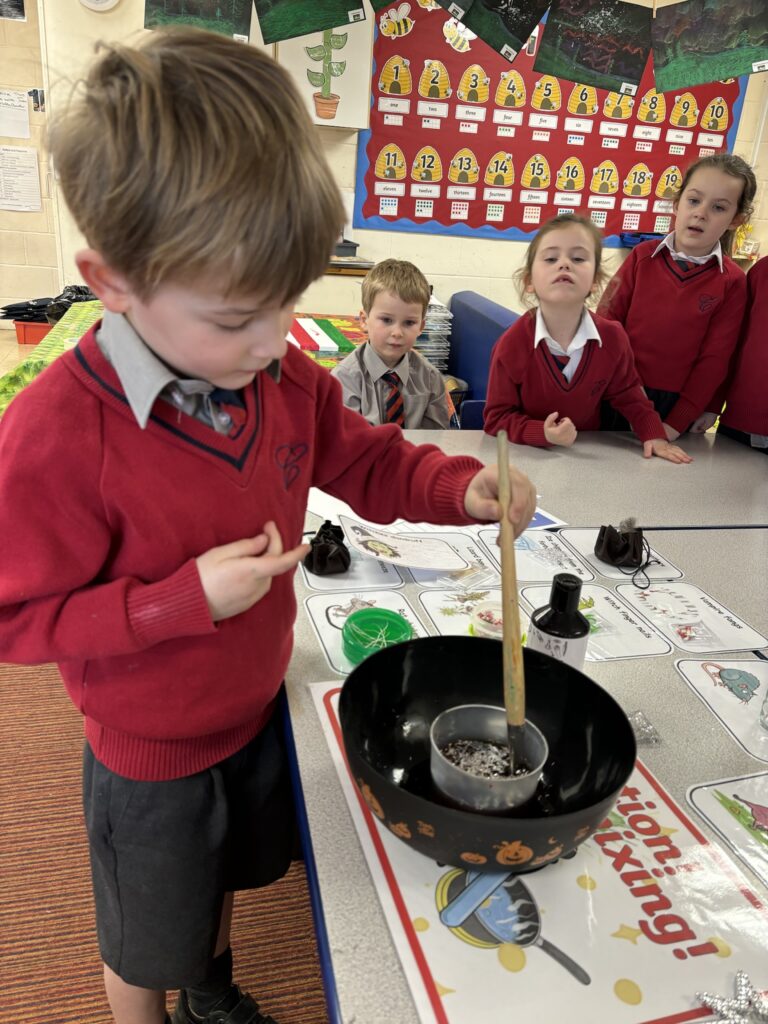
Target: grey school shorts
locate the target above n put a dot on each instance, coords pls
(163, 854)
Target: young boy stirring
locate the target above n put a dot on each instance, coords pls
(386, 380)
(165, 492)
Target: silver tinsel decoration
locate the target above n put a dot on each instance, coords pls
(747, 1006)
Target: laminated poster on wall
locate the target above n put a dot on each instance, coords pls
(737, 809)
(603, 43)
(645, 914)
(503, 26)
(286, 19)
(13, 10)
(736, 692)
(730, 39)
(232, 18)
(464, 141)
(332, 70)
(327, 614)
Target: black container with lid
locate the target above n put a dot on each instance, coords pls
(558, 628)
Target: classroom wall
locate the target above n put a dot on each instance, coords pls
(64, 40)
(28, 252)
(486, 266)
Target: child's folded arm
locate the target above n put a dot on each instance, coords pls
(101, 620)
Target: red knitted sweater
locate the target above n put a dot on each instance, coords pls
(683, 325)
(525, 385)
(747, 391)
(107, 520)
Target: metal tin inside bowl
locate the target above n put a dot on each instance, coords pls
(477, 792)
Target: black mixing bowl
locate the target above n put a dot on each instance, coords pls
(387, 705)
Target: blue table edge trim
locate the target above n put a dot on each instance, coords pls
(313, 883)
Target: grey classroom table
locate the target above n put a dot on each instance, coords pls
(605, 477)
(729, 564)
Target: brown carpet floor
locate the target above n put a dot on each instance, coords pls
(50, 971)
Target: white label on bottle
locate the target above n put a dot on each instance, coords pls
(571, 651)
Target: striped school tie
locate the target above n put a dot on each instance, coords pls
(394, 411)
(562, 362)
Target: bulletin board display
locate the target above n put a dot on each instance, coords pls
(463, 142)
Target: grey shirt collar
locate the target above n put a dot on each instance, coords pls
(144, 376)
(376, 366)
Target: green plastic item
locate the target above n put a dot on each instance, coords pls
(371, 629)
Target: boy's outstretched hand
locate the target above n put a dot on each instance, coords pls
(236, 576)
(665, 450)
(481, 499)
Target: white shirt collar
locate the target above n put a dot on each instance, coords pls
(667, 243)
(587, 331)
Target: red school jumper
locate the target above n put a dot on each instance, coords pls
(747, 392)
(525, 385)
(107, 520)
(683, 324)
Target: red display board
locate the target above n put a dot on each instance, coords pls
(464, 142)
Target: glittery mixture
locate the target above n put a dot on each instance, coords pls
(480, 757)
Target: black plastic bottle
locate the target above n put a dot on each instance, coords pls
(559, 629)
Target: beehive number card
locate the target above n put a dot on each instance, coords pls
(467, 140)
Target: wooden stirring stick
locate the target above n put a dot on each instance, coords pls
(512, 650)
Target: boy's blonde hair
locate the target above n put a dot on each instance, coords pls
(522, 276)
(733, 165)
(401, 278)
(192, 157)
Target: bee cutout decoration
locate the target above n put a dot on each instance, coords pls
(546, 94)
(605, 178)
(715, 116)
(427, 165)
(685, 113)
(639, 180)
(570, 177)
(434, 83)
(395, 22)
(653, 108)
(474, 85)
(458, 35)
(395, 78)
(536, 173)
(464, 169)
(618, 106)
(583, 101)
(390, 163)
(500, 170)
(428, 5)
(669, 183)
(510, 91)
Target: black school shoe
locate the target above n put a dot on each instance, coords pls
(235, 1008)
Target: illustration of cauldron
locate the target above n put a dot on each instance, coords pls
(387, 706)
(492, 909)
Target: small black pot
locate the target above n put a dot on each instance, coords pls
(387, 705)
